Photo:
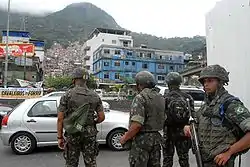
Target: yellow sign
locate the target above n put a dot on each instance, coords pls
(20, 93)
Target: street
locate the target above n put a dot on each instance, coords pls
(52, 157)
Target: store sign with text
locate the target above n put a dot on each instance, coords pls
(20, 93)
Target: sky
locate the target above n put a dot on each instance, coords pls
(163, 18)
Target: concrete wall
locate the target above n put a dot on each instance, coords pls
(228, 35)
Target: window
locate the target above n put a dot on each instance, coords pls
(144, 65)
(117, 52)
(133, 63)
(113, 41)
(160, 57)
(117, 63)
(46, 108)
(149, 55)
(106, 63)
(126, 63)
(141, 54)
(129, 53)
(125, 43)
(102, 40)
(117, 76)
(126, 75)
(106, 76)
(171, 57)
(171, 68)
(161, 78)
(196, 95)
(160, 66)
(106, 51)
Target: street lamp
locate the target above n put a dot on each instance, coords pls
(7, 47)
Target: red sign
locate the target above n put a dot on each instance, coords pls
(18, 49)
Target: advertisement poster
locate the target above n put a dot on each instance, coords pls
(18, 49)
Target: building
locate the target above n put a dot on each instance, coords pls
(113, 63)
(103, 36)
(26, 66)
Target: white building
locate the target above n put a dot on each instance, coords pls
(228, 35)
(105, 36)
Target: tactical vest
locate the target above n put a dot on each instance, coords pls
(214, 136)
(154, 110)
(77, 97)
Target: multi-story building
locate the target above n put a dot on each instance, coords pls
(28, 66)
(113, 63)
(101, 36)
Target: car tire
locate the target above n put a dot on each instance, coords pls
(23, 143)
(113, 140)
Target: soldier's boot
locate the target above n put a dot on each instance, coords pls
(168, 161)
(184, 160)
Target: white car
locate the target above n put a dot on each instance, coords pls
(197, 93)
(60, 93)
(33, 123)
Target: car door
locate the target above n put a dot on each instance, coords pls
(41, 120)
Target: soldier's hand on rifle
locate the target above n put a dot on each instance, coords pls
(61, 143)
(222, 158)
(187, 131)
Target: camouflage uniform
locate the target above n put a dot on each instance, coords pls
(148, 110)
(215, 134)
(173, 132)
(81, 142)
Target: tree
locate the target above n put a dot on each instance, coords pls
(61, 82)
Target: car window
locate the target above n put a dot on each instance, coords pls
(46, 108)
(5, 108)
(197, 95)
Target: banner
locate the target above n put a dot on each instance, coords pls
(25, 83)
(18, 49)
(20, 93)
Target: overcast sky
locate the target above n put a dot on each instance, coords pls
(166, 18)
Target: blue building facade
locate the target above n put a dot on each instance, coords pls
(111, 64)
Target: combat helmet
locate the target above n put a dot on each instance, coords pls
(214, 71)
(80, 73)
(174, 78)
(145, 78)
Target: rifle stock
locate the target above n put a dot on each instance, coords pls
(194, 138)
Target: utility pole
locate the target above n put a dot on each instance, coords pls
(24, 67)
(7, 48)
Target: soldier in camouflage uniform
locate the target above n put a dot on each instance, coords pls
(84, 142)
(173, 130)
(223, 132)
(146, 120)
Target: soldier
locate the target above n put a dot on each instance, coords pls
(223, 122)
(177, 117)
(146, 120)
(81, 139)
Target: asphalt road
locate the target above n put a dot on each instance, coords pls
(52, 157)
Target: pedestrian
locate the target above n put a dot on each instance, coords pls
(76, 114)
(146, 120)
(223, 122)
(177, 117)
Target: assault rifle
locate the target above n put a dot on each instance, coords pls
(194, 138)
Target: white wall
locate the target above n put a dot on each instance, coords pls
(228, 44)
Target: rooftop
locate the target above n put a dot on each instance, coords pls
(109, 31)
